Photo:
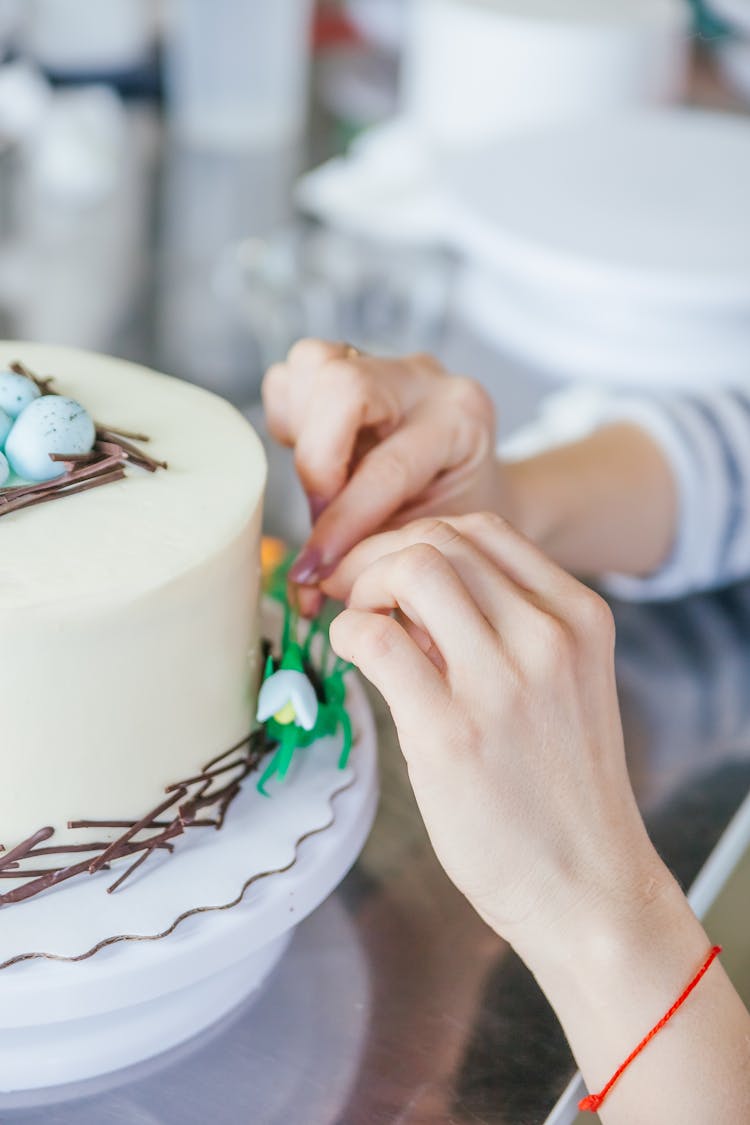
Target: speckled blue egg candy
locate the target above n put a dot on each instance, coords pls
(51, 424)
(16, 392)
(6, 425)
(4, 469)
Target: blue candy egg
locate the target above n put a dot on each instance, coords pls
(4, 469)
(6, 424)
(51, 424)
(16, 392)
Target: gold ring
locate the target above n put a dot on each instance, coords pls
(352, 352)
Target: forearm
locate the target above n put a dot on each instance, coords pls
(612, 975)
(606, 503)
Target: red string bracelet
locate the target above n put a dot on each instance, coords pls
(593, 1101)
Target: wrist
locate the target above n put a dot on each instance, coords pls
(641, 937)
(532, 502)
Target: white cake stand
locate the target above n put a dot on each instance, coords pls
(290, 1053)
(106, 981)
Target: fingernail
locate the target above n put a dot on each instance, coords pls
(305, 569)
(325, 570)
(309, 601)
(318, 505)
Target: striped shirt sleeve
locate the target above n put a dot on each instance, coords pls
(706, 440)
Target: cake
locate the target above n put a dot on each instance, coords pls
(128, 614)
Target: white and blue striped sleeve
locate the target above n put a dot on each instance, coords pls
(706, 440)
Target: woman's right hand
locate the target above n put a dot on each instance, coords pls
(377, 443)
(498, 669)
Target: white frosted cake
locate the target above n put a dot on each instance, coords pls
(129, 612)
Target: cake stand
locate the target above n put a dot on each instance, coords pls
(290, 1053)
(93, 982)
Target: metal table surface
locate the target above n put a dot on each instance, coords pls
(395, 1004)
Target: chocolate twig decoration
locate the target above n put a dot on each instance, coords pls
(108, 440)
(208, 774)
(33, 871)
(232, 750)
(193, 796)
(105, 464)
(41, 383)
(112, 824)
(30, 499)
(133, 867)
(115, 431)
(139, 825)
(22, 850)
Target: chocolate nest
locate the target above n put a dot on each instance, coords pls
(197, 802)
(105, 464)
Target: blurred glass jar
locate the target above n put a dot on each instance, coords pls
(310, 280)
(87, 37)
(237, 73)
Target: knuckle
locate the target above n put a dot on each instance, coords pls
(594, 617)
(484, 523)
(472, 733)
(471, 396)
(273, 378)
(341, 633)
(414, 562)
(431, 529)
(552, 640)
(377, 636)
(345, 379)
(426, 362)
(306, 461)
(393, 472)
(310, 352)
(276, 403)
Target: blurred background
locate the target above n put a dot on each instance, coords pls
(542, 192)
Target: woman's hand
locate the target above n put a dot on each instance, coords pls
(498, 668)
(381, 442)
(378, 442)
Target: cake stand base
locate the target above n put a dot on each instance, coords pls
(75, 1050)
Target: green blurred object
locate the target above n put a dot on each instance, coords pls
(707, 24)
(325, 672)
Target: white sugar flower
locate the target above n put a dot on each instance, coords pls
(288, 697)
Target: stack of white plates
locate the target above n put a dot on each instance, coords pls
(475, 70)
(616, 250)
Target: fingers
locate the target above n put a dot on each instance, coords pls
(523, 595)
(433, 440)
(508, 550)
(323, 397)
(465, 616)
(391, 661)
(494, 594)
(345, 400)
(424, 585)
(287, 387)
